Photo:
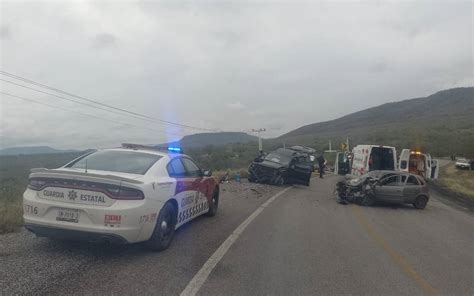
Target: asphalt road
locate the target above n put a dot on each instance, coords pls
(303, 243)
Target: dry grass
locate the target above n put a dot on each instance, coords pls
(11, 215)
(459, 181)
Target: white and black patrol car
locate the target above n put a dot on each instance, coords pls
(126, 195)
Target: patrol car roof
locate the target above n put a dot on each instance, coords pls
(160, 150)
(155, 152)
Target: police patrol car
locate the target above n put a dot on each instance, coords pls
(127, 195)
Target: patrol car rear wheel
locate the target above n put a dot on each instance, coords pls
(214, 204)
(164, 229)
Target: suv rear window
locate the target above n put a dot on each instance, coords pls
(117, 161)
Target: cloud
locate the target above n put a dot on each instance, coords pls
(235, 106)
(5, 32)
(226, 65)
(104, 40)
(378, 67)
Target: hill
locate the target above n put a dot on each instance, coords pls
(216, 139)
(30, 150)
(442, 123)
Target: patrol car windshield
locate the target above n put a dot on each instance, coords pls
(278, 158)
(117, 161)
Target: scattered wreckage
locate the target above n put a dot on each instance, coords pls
(282, 166)
(386, 186)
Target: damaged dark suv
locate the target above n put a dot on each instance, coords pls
(282, 166)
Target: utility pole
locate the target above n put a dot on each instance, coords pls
(258, 131)
(330, 148)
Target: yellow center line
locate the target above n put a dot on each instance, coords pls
(396, 257)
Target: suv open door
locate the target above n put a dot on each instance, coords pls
(300, 173)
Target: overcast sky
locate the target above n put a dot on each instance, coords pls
(221, 65)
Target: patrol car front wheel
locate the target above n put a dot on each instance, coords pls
(164, 229)
(214, 204)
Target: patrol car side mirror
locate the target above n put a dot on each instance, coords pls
(208, 173)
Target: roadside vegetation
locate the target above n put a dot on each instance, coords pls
(231, 158)
(14, 171)
(458, 181)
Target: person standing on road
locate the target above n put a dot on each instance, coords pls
(322, 164)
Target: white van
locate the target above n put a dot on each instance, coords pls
(368, 158)
(419, 163)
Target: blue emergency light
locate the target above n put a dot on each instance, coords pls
(174, 149)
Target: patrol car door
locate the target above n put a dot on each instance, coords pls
(390, 189)
(185, 192)
(403, 164)
(300, 171)
(199, 186)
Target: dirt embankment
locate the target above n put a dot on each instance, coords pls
(456, 185)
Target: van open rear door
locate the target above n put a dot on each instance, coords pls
(404, 160)
(429, 163)
(434, 169)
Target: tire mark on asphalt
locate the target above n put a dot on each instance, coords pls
(428, 289)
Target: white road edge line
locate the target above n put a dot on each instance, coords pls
(201, 276)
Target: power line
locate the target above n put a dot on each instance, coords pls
(102, 104)
(86, 114)
(71, 100)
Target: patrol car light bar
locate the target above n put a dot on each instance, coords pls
(156, 148)
(174, 149)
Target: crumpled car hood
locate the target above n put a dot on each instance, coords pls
(268, 164)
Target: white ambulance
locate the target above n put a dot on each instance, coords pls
(368, 158)
(419, 163)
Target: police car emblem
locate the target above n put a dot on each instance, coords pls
(72, 195)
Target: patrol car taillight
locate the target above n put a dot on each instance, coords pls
(124, 193)
(36, 184)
